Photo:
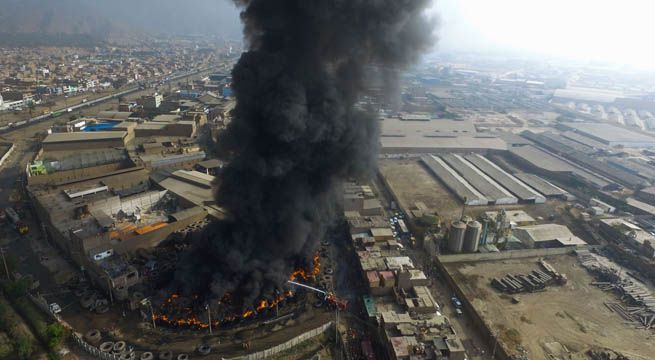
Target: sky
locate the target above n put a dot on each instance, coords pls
(606, 30)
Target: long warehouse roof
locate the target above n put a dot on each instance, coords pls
(465, 191)
(517, 187)
(540, 184)
(487, 186)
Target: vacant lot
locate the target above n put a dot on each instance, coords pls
(411, 182)
(573, 315)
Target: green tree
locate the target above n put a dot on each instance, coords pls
(18, 288)
(56, 334)
(24, 348)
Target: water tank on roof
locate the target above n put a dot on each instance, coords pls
(456, 236)
(472, 236)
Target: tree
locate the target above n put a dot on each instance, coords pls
(18, 288)
(56, 334)
(24, 347)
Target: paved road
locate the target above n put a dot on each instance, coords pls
(471, 339)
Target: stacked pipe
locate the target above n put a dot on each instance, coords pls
(536, 280)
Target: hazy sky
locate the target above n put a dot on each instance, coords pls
(612, 30)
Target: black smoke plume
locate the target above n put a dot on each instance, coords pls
(297, 133)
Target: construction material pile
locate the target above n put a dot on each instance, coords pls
(537, 280)
(639, 300)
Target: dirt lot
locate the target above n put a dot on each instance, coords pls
(411, 182)
(573, 315)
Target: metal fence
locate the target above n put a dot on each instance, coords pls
(42, 304)
(92, 350)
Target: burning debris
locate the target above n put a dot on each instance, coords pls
(296, 135)
(183, 311)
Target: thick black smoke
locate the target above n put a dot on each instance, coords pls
(296, 133)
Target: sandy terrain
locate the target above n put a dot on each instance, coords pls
(573, 315)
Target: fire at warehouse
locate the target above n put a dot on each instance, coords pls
(195, 312)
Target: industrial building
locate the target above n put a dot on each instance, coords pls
(210, 166)
(576, 153)
(630, 231)
(96, 221)
(483, 183)
(114, 116)
(541, 185)
(61, 166)
(420, 137)
(453, 181)
(550, 165)
(84, 140)
(647, 195)
(360, 198)
(514, 217)
(184, 160)
(511, 183)
(547, 236)
(613, 135)
(193, 188)
(182, 128)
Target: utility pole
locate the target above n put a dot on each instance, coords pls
(4, 261)
(152, 315)
(209, 316)
(336, 331)
(111, 296)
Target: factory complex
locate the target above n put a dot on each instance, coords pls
(102, 195)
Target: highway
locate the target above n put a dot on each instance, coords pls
(167, 79)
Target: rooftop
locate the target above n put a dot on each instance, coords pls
(517, 216)
(84, 136)
(210, 163)
(441, 133)
(609, 133)
(550, 232)
(629, 229)
(114, 115)
(166, 118)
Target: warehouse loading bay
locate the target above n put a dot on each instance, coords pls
(561, 322)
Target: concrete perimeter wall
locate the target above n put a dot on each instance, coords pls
(7, 154)
(485, 332)
(511, 254)
(482, 327)
(287, 345)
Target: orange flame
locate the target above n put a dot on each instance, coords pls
(303, 274)
(262, 305)
(190, 319)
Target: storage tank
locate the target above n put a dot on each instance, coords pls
(472, 236)
(456, 236)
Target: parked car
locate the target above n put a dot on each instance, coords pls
(55, 308)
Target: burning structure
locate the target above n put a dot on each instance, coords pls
(296, 134)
